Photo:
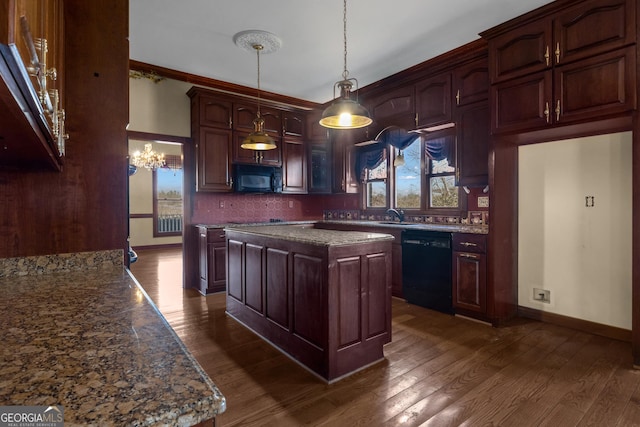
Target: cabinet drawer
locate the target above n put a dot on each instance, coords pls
(469, 242)
(215, 235)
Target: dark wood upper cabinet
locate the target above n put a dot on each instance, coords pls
(319, 167)
(213, 160)
(343, 167)
(433, 101)
(293, 124)
(593, 27)
(215, 112)
(314, 130)
(573, 65)
(472, 144)
(393, 108)
(245, 114)
(294, 166)
(471, 82)
(523, 50)
(267, 157)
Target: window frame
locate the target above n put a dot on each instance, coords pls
(154, 179)
(425, 196)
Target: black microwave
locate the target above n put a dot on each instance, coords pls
(257, 179)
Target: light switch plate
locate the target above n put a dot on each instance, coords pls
(483, 202)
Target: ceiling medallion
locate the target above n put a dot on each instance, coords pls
(250, 38)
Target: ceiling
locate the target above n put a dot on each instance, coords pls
(383, 37)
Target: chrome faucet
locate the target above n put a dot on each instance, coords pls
(398, 214)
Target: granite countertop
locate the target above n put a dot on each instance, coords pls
(305, 233)
(447, 228)
(94, 343)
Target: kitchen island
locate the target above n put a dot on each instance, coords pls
(78, 331)
(323, 297)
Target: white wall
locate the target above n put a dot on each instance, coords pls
(582, 255)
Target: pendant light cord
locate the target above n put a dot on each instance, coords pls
(258, 48)
(345, 73)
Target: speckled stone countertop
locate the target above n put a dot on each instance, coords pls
(93, 342)
(447, 228)
(305, 233)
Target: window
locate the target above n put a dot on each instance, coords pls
(376, 180)
(443, 192)
(419, 183)
(167, 198)
(408, 180)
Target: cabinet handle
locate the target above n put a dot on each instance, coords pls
(416, 119)
(558, 53)
(546, 111)
(469, 256)
(546, 55)
(230, 123)
(230, 182)
(558, 111)
(468, 244)
(458, 97)
(221, 236)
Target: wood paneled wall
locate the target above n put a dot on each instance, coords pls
(84, 207)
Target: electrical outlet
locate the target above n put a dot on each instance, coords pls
(483, 202)
(221, 204)
(542, 295)
(290, 203)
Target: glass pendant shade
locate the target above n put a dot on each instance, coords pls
(258, 139)
(399, 160)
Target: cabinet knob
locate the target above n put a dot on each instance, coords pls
(546, 55)
(546, 111)
(558, 53)
(458, 97)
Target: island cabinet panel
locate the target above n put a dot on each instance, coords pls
(309, 300)
(277, 292)
(328, 307)
(235, 261)
(254, 274)
(349, 310)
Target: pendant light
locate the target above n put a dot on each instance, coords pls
(345, 113)
(258, 41)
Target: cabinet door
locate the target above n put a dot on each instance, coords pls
(393, 108)
(214, 160)
(593, 27)
(344, 175)
(217, 273)
(293, 124)
(471, 82)
(203, 257)
(252, 157)
(469, 282)
(294, 166)
(521, 51)
(596, 86)
(522, 104)
(433, 101)
(472, 139)
(314, 130)
(214, 112)
(319, 161)
(244, 114)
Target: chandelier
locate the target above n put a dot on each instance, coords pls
(148, 158)
(345, 113)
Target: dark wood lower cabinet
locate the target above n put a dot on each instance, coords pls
(213, 254)
(328, 307)
(469, 275)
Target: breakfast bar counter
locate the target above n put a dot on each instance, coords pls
(92, 342)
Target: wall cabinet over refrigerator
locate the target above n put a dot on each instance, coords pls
(572, 66)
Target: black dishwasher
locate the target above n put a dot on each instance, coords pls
(426, 269)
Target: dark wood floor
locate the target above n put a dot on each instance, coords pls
(439, 370)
